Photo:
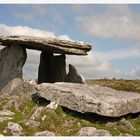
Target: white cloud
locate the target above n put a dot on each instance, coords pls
(117, 22)
(25, 30)
(30, 69)
(99, 65)
(94, 65)
(130, 52)
(135, 72)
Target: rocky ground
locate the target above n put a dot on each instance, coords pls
(22, 115)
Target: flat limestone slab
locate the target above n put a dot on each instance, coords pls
(96, 99)
(52, 45)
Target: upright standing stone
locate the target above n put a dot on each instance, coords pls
(52, 68)
(12, 60)
(74, 77)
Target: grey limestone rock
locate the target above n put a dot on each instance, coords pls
(37, 112)
(73, 76)
(4, 118)
(92, 131)
(52, 45)
(14, 128)
(32, 123)
(94, 99)
(44, 133)
(12, 59)
(6, 112)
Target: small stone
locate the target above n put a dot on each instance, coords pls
(126, 124)
(37, 112)
(122, 120)
(68, 122)
(52, 105)
(32, 123)
(92, 131)
(44, 118)
(6, 112)
(44, 133)
(14, 128)
(79, 124)
(2, 119)
(111, 124)
(33, 82)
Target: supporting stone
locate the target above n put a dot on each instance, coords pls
(51, 68)
(74, 77)
(12, 60)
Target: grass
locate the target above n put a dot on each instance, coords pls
(124, 85)
(66, 122)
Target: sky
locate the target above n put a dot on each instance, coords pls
(112, 30)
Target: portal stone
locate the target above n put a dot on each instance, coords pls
(74, 77)
(12, 60)
(52, 68)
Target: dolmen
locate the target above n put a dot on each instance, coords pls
(55, 84)
(52, 68)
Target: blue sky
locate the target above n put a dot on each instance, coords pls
(112, 30)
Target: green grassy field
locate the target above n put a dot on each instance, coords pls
(124, 85)
(66, 122)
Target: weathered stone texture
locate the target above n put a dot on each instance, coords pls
(92, 131)
(52, 45)
(14, 128)
(44, 133)
(73, 76)
(96, 99)
(12, 60)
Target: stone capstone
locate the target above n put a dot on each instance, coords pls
(92, 131)
(73, 76)
(14, 128)
(92, 99)
(51, 68)
(52, 45)
(12, 59)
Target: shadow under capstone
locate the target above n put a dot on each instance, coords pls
(39, 100)
(93, 117)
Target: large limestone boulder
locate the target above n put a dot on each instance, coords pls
(18, 87)
(73, 76)
(52, 45)
(51, 68)
(12, 60)
(96, 99)
(17, 92)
